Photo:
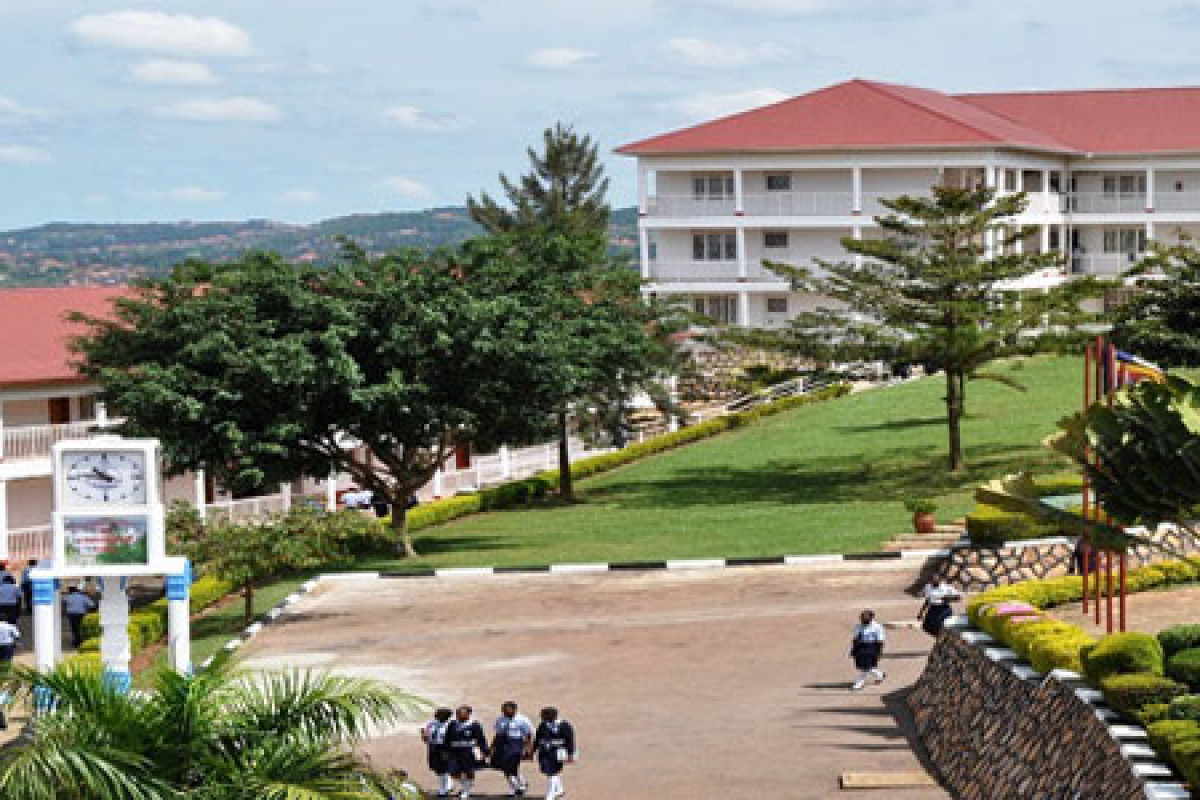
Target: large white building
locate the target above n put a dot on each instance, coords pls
(1106, 171)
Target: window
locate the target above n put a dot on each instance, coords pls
(1125, 240)
(698, 305)
(776, 305)
(652, 250)
(1010, 180)
(1054, 240)
(722, 308)
(1056, 182)
(87, 406)
(1179, 186)
(712, 187)
(714, 247)
(1125, 184)
(775, 239)
(779, 183)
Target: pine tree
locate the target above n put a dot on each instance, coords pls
(1162, 320)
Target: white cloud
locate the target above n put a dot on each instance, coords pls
(406, 188)
(704, 53)
(194, 194)
(558, 57)
(299, 196)
(772, 6)
(165, 72)
(157, 32)
(12, 111)
(707, 106)
(221, 109)
(23, 155)
(419, 119)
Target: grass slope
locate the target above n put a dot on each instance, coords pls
(820, 479)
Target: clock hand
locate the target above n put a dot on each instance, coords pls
(104, 476)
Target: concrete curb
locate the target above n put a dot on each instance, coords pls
(1157, 777)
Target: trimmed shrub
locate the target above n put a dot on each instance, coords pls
(1058, 483)
(1184, 667)
(1155, 712)
(1186, 707)
(1130, 692)
(1165, 734)
(1185, 755)
(988, 526)
(1022, 637)
(1178, 638)
(1122, 654)
(1053, 652)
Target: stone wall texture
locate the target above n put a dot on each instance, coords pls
(975, 569)
(993, 735)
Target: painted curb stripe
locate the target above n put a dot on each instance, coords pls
(626, 566)
(799, 561)
(578, 569)
(755, 561)
(881, 556)
(464, 572)
(411, 573)
(697, 563)
(520, 570)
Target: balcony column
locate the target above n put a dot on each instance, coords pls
(1046, 193)
(856, 234)
(1149, 196)
(1045, 239)
(101, 414)
(4, 520)
(741, 253)
(200, 490)
(1020, 180)
(1149, 229)
(856, 189)
(739, 196)
(643, 190)
(644, 251)
(744, 309)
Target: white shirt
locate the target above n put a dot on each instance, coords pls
(77, 603)
(937, 595)
(515, 727)
(871, 632)
(9, 634)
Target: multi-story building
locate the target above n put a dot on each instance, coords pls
(1105, 172)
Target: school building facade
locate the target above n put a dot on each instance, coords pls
(1105, 171)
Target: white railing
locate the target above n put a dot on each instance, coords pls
(247, 508)
(1176, 201)
(1103, 263)
(26, 543)
(507, 464)
(800, 204)
(35, 441)
(1106, 203)
(709, 272)
(690, 205)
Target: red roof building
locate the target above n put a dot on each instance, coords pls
(35, 333)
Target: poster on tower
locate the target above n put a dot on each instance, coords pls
(105, 540)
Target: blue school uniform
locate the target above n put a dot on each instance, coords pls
(508, 745)
(438, 755)
(554, 742)
(462, 738)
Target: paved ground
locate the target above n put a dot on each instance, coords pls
(1148, 612)
(715, 684)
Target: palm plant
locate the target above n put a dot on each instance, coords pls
(218, 735)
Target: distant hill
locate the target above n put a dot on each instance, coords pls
(61, 253)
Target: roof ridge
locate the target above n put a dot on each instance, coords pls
(883, 88)
(1107, 90)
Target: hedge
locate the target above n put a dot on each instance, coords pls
(1186, 707)
(1184, 667)
(989, 526)
(1179, 637)
(1165, 733)
(521, 492)
(1129, 692)
(1122, 654)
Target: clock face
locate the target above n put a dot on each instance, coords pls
(105, 477)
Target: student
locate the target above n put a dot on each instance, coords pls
(866, 649)
(463, 737)
(555, 746)
(434, 736)
(10, 600)
(9, 636)
(76, 605)
(27, 584)
(936, 608)
(512, 742)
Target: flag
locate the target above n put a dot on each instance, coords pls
(1138, 369)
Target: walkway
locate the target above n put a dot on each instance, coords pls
(708, 684)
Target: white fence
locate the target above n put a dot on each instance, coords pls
(27, 543)
(35, 441)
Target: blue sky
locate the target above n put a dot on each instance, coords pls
(299, 110)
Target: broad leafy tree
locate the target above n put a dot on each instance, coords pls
(217, 734)
(263, 371)
(931, 291)
(1162, 319)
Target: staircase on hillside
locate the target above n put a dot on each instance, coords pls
(944, 537)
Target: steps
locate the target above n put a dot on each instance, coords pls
(945, 536)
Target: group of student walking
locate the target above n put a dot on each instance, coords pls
(458, 748)
(866, 647)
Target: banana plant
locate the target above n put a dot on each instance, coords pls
(1141, 454)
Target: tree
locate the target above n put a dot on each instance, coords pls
(1162, 320)
(611, 343)
(262, 371)
(932, 291)
(216, 734)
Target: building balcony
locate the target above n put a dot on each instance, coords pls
(27, 442)
(800, 204)
(1104, 264)
(709, 272)
(1107, 203)
(689, 205)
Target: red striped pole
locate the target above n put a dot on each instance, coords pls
(1123, 571)
(1108, 568)
(1085, 551)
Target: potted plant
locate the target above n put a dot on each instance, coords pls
(922, 510)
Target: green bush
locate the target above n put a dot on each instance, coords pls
(1185, 755)
(1165, 734)
(1185, 707)
(1022, 637)
(1178, 638)
(1058, 483)
(1154, 712)
(1059, 651)
(1184, 667)
(1122, 654)
(988, 526)
(1130, 692)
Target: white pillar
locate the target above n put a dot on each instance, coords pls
(739, 196)
(1045, 238)
(179, 637)
(744, 309)
(101, 414)
(4, 520)
(505, 462)
(437, 485)
(285, 495)
(44, 629)
(56, 615)
(989, 177)
(200, 487)
(856, 189)
(331, 492)
(740, 235)
(1019, 183)
(1149, 192)
(643, 190)
(1149, 230)
(644, 251)
(856, 233)
(1046, 193)
(115, 652)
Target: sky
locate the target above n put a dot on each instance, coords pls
(299, 110)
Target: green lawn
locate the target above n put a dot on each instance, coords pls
(820, 479)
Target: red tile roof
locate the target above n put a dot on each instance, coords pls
(34, 333)
(862, 114)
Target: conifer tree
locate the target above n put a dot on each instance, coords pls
(1161, 321)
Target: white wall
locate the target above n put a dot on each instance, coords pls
(26, 412)
(803, 246)
(806, 180)
(29, 502)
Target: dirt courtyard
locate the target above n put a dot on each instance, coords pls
(725, 684)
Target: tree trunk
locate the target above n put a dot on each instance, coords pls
(248, 608)
(404, 543)
(566, 490)
(954, 419)
(962, 395)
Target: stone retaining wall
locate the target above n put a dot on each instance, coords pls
(975, 569)
(991, 734)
